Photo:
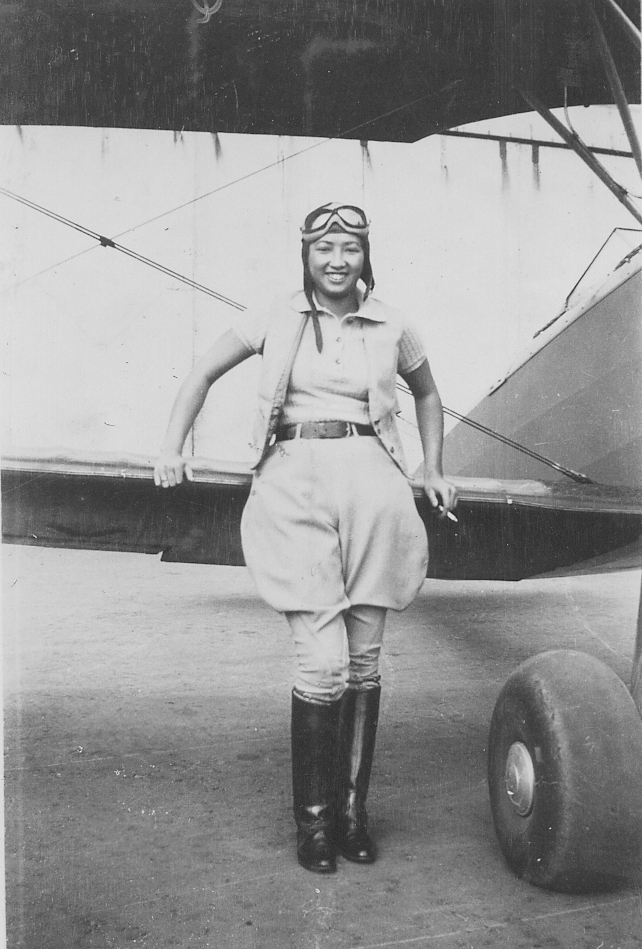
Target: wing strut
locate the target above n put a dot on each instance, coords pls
(578, 146)
(631, 29)
(636, 676)
(533, 142)
(617, 89)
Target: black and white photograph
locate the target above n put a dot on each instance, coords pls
(321, 474)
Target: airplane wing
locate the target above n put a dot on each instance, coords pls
(505, 530)
(274, 68)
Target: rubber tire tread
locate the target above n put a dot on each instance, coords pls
(584, 735)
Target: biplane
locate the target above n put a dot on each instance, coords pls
(565, 747)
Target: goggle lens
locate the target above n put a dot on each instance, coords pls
(348, 215)
(353, 217)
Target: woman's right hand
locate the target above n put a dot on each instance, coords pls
(169, 470)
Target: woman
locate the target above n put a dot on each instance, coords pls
(330, 533)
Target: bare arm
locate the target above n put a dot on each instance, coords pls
(430, 421)
(228, 351)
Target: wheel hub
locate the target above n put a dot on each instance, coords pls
(519, 777)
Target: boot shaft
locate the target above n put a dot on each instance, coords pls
(315, 729)
(357, 736)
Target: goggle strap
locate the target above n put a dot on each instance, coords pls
(318, 336)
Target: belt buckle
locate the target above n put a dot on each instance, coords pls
(351, 430)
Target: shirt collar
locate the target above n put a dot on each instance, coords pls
(367, 309)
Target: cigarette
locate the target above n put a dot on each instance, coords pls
(449, 514)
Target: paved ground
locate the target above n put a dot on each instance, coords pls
(147, 765)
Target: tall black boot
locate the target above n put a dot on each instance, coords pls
(357, 734)
(314, 743)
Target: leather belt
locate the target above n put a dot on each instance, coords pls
(333, 429)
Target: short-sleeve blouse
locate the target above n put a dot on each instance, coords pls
(332, 384)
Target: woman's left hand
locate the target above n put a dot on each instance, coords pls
(441, 493)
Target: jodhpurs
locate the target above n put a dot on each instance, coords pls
(331, 523)
(336, 649)
(332, 538)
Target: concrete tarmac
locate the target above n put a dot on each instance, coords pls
(147, 764)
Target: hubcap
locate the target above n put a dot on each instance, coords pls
(520, 778)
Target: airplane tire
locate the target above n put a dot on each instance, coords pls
(565, 774)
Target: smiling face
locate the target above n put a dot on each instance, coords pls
(335, 264)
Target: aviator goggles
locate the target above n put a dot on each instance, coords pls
(347, 216)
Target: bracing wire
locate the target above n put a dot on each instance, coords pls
(279, 162)
(108, 242)
(223, 187)
(574, 475)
